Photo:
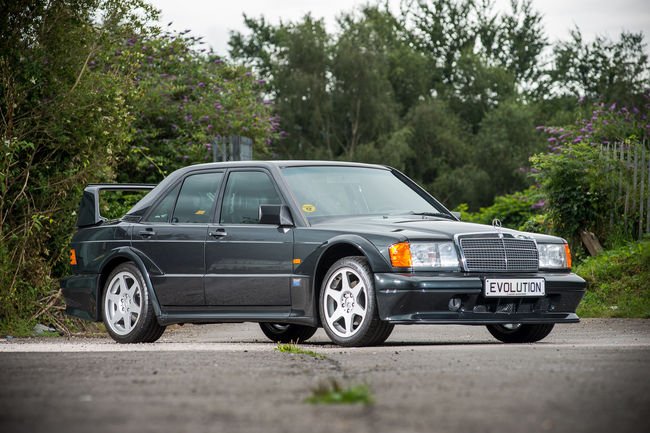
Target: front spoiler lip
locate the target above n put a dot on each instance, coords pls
(469, 318)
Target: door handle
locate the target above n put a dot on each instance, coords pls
(219, 233)
(146, 233)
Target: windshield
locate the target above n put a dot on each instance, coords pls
(333, 191)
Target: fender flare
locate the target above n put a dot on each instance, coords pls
(146, 267)
(376, 261)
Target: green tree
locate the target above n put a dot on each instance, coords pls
(295, 61)
(612, 71)
(504, 143)
(89, 89)
(438, 139)
(187, 99)
(364, 106)
(62, 124)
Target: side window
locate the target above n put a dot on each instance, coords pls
(163, 210)
(245, 192)
(198, 193)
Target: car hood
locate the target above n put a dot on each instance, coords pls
(419, 227)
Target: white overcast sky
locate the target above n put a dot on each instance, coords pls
(214, 19)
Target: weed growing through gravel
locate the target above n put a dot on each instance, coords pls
(334, 393)
(294, 348)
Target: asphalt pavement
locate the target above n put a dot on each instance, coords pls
(589, 377)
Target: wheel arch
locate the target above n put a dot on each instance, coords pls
(338, 248)
(144, 264)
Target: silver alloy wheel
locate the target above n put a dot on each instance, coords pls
(123, 303)
(345, 302)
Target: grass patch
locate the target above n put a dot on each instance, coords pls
(295, 349)
(17, 327)
(618, 282)
(334, 393)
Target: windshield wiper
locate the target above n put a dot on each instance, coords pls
(432, 214)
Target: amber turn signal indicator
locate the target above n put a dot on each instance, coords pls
(297, 261)
(400, 255)
(73, 257)
(567, 252)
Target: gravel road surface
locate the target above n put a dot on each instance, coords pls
(589, 377)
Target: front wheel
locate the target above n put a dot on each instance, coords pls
(520, 333)
(347, 305)
(127, 310)
(287, 333)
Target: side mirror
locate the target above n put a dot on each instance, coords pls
(456, 214)
(276, 214)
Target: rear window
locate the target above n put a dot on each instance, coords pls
(196, 199)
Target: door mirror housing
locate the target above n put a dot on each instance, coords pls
(456, 214)
(276, 214)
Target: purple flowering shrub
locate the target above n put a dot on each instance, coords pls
(583, 177)
(188, 97)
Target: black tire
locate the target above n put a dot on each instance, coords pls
(521, 334)
(145, 328)
(287, 333)
(371, 330)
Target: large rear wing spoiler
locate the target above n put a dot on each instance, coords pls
(89, 214)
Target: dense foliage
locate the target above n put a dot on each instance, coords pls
(516, 211)
(595, 172)
(450, 91)
(88, 89)
(618, 282)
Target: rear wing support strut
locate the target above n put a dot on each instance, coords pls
(89, 214)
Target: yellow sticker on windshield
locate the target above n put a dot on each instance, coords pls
(199, 212)
(309, 208)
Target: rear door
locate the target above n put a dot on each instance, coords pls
(248, 263)
(173, 236)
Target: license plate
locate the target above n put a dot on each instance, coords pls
(508, 287)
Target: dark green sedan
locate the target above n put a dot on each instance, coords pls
(296, 245)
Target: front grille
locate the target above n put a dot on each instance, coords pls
(499, 254)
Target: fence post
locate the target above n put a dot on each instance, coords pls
(625, 160)
(647, 208)
(641, 189)
(635, 161)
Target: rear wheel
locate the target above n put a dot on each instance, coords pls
(520, 333)
(347, 305)
(287, 333)
(127, 310)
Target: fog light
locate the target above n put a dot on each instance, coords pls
(454, 304)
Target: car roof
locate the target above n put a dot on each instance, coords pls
(282, 163)
(140, 207)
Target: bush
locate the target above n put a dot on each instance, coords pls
(577, 193)
(617, 282)
(89, 89)
(63, 123)
(521, 210)
(586, 184)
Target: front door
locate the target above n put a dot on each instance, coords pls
(247, 263)
(173, 237)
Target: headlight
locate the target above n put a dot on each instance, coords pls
(437, 255)
(554, 256)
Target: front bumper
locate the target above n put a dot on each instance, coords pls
(425, 298)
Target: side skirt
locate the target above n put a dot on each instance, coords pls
(171, 315)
